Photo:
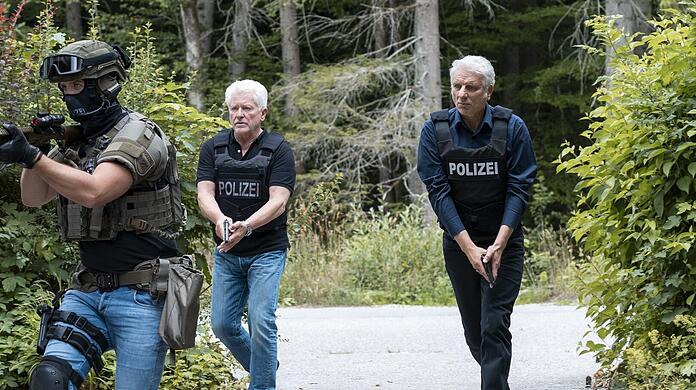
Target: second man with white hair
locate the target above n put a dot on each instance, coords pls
(478, 165)
(245, 177)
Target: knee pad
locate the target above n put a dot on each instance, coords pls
(54, 374)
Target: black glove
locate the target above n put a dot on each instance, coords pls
(17, 149)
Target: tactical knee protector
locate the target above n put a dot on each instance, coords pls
(54, 373)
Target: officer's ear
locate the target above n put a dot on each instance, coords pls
(489, 92)
(264, 112)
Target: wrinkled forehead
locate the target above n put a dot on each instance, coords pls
(243, 97)
(464, 76)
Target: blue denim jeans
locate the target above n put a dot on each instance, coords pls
(252, 280)
(129, 320)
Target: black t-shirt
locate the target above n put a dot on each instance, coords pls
(281, 173)
(125, 251)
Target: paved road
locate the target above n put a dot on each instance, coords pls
(412, 347)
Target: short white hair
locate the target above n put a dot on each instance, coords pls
(476, 64)
(259, 91)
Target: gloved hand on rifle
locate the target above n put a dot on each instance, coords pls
(18, 149)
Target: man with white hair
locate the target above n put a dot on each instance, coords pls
(478, 166)
(245, 177)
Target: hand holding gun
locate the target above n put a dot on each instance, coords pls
(489, 271)
(45, 127)
(226, 230)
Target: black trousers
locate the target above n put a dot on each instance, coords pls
(485, 312)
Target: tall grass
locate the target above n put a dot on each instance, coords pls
(342, 255)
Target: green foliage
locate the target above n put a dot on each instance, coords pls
(33, 260)
(362, 257)
(662, 362)
(394, 258)
(637, 207)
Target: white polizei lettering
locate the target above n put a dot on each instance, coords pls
(489, 168)
(241, 189)
(254, 190)
(469, 170)
(460, 169)
(481, 169)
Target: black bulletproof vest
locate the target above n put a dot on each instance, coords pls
(477, 176)
(242, 186)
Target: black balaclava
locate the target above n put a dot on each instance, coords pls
(96, 111)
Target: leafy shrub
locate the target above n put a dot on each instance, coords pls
(33, 260)
(395, 258)
(637, 206)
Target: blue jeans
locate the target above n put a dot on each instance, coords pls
(129, 320)
(254, 280)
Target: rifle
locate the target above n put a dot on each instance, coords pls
(489, 271)
(45, 127)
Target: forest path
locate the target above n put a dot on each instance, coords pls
(416, 347)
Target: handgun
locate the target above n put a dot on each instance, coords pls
(45, 312)
(226, 230)
(489, 271)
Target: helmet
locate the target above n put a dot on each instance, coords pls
(86, 60)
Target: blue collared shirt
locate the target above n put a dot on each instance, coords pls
(521, 167)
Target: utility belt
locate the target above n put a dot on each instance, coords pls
(150, 275)
(175, 279)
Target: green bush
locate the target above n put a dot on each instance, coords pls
(361, 257)
(637, 207)
(33, 260)
(395, 258)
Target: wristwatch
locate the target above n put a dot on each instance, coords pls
(248, 228)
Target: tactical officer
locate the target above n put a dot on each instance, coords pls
(478, 165)
(117, 195)
(245, 177)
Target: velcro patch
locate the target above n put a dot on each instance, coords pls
(144, 163)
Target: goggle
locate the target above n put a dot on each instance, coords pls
(61, 65)
(65, 65)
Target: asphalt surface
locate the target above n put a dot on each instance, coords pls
(413, 347)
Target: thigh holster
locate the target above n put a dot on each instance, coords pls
(91, 343)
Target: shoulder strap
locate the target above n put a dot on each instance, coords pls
(444, 137)
(270, 143)
(501, 118)
(222, 141)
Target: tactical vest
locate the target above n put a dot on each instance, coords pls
(242, 186)
(477, 176)
(151, 207)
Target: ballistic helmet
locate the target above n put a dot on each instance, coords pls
(86, 59)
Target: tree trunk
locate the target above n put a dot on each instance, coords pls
(290, 48)
(395, 33)
(194, 54)
(240, 38)
(427, 82)
(206, 20)
(634, 14)
(378, 30)
(427, 52)
(73, 18)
